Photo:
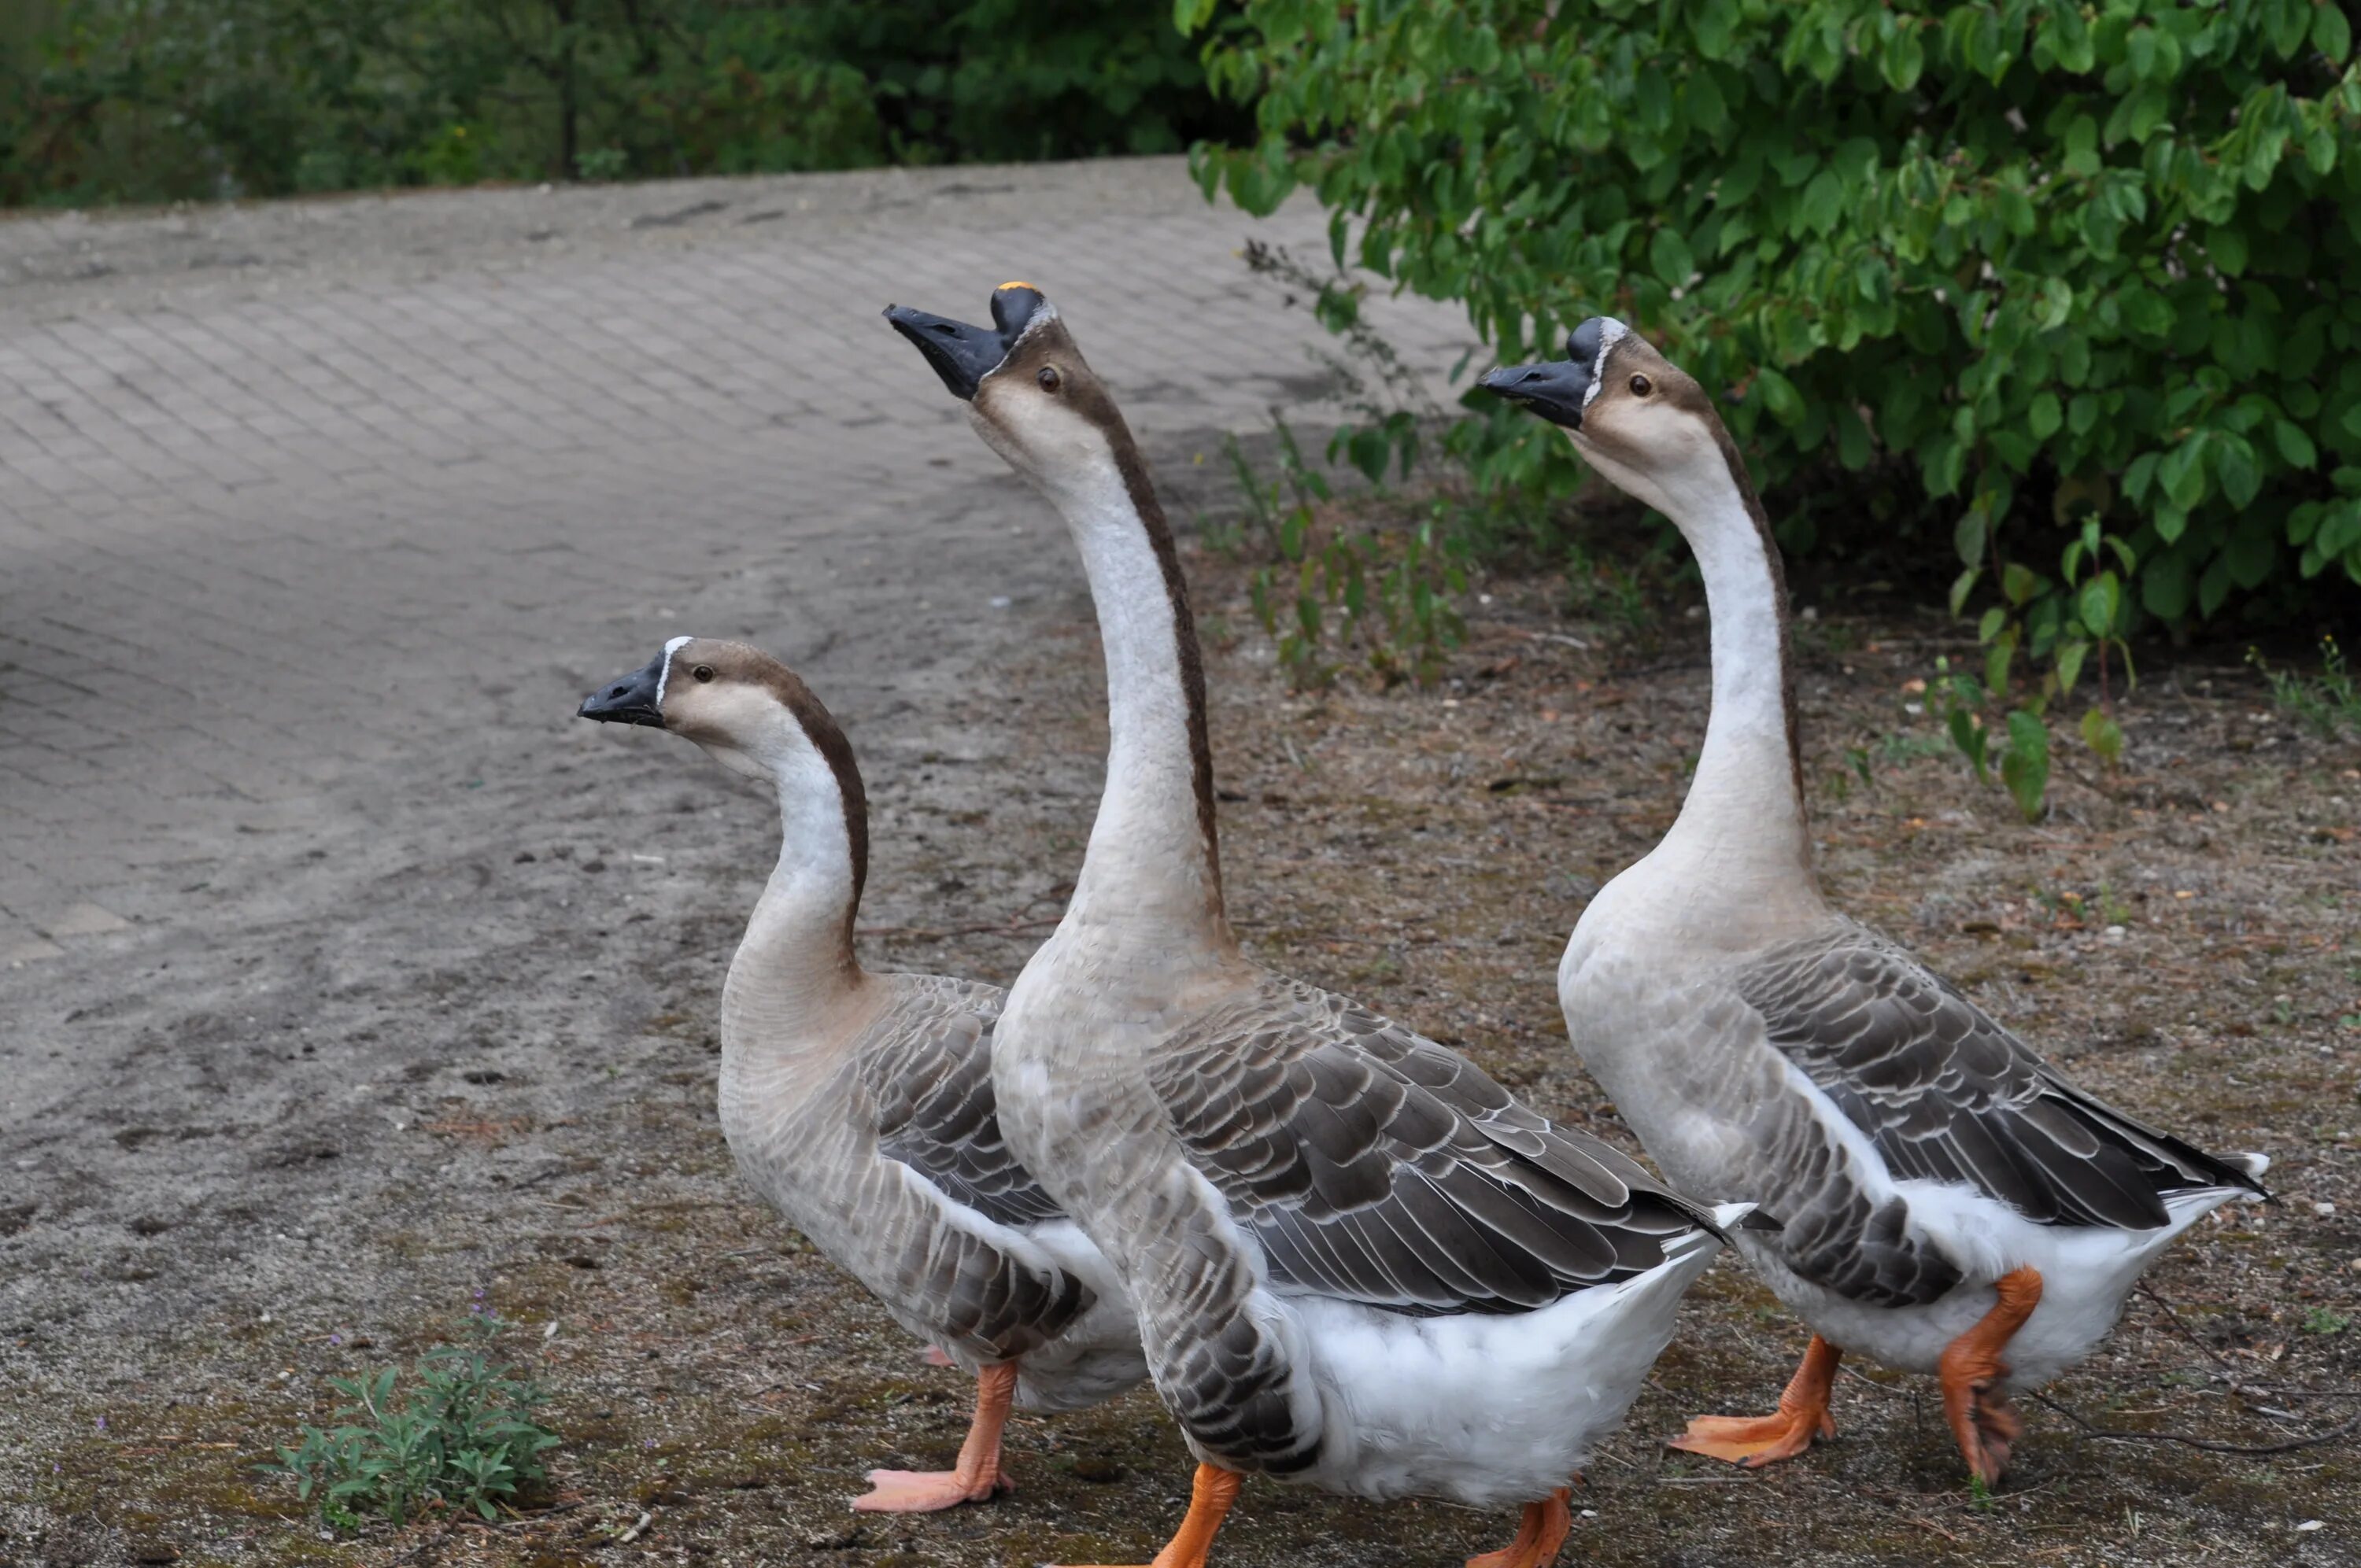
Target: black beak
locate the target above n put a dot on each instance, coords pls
(630, 701)
(1554, 389)
(963, 355)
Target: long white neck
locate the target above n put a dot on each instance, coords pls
(1745, 814)
(796, 963)
(1153, 867)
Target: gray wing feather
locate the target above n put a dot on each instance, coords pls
(1376, 1166)
(927, 1074)
(930, 1082)
(1945, 1093)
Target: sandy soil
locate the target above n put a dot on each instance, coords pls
(495, 1073)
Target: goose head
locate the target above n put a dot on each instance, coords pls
(1029, 393)
(1634, 415)
(754, 715)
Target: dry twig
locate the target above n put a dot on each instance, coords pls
(2210, 1445)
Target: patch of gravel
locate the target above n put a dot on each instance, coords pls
(523, 1105)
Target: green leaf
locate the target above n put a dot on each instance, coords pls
(2099, 603)
(2045, 415)
(2019, 583)
(1968, 738)
(1961, 587)
(2057, 303)
(2026, 769)
(2331, 34)
(2074, 355)
(1904, 57)
(2068, 36)
(2146, 312)
(1968, 537)
(1668, 256)
(1715, 28)
(1779, 396)
(2212, 587)
(1999, 653)
(2234, 465)
(1708, 110)
(2294, 444)
(2249, 554)
(2104, 736)
(2069, 664)
(2164, 588)
(2227, 248)
(2182, 472)
(1822, 204)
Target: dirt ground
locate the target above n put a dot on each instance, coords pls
(513, 1093)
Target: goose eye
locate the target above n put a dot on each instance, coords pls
(703, 672)
(1049, 378)
(1641, 387)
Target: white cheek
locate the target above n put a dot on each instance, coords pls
(1041, 436)
(664, 674)
(1610, 333)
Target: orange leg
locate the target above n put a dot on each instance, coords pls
(978, 1474)
(1972, 1369)
(1209, 1503)
(1765, 1440)
(1539, 1536)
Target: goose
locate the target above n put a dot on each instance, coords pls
(859, 1104)
(1359, 1263)
(1952, 1203)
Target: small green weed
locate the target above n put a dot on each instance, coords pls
(1322, 588)
(2058, 626)
(2021, 756)
(2328, 702)
(1392, 587)
(602, 163)
(2321, 1321)
(1895, 750)
(460, 1434)
(1616, 594)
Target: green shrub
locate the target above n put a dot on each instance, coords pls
(1984, 271)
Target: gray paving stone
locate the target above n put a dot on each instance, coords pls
(262, 528)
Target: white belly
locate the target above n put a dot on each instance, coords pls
(1486, 1409)
(1098, 1356)
(2086, 1272)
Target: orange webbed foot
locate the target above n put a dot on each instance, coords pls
(1539, 1535)
(1982, 1419)
(926, 1491)
(978, 1478)
(1210, 1496)
(1752, 1440)
(1802, 1420)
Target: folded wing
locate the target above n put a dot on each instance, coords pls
(1374, 1165)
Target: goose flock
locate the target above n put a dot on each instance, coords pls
(1343, 1255)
